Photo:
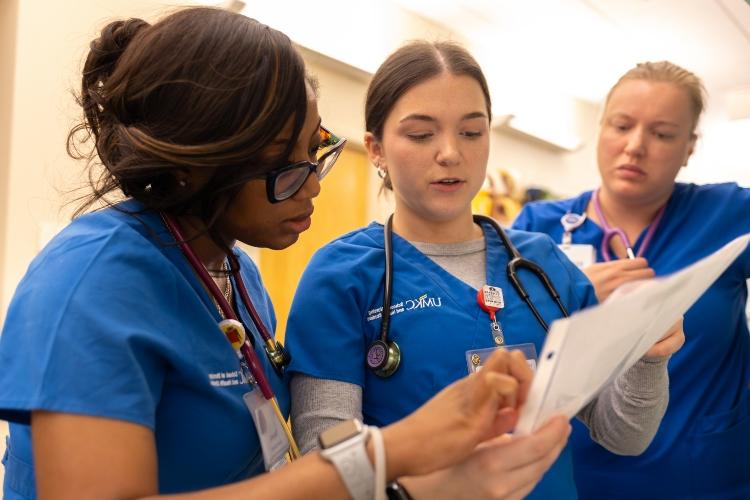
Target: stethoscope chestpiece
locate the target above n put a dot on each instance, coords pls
(278, 356)
(384, 358)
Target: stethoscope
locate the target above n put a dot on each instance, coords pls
(571, 221)
(384, 356)
(235, 331)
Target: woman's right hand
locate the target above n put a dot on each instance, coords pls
(447, 429)
(503, 468)
(606, 276)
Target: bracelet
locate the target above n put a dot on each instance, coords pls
(396, 491)
(378, 448)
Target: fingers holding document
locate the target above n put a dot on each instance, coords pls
(670, 343)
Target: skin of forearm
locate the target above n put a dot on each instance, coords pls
(312, 476)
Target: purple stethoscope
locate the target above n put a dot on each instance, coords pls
(571, 221)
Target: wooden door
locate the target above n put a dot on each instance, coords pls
(340, 207)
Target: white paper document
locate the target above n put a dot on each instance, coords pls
(585, 352)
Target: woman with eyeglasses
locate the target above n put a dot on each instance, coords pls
(639, 223)
(449, 300)
(137, 354)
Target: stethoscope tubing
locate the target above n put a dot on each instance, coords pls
(516, 261)
(246, 349)
(610, 232)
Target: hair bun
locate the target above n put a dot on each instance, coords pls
(107, 49)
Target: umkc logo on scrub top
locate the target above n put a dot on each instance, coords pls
(422, 302)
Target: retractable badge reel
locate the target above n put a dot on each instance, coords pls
(490, 299)
(580, 254)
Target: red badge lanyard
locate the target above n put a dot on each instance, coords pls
(490, 300)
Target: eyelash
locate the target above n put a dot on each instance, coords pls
(664, 137)
(314, 150)
(659, 135)
(424, 137)
(419, 137)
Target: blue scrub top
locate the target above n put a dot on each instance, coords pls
(702, 447)
(436, 319)
(111, 321)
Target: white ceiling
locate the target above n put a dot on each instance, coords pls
(582, 46)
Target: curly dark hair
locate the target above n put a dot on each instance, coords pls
(201, 89)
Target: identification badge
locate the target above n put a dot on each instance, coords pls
(475, 358)
(579, 254)
(492, 297)
(273, 440)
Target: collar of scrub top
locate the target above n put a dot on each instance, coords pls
(610, 232)
(515, 262)
(246, 349)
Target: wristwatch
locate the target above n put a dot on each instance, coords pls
(344, 446)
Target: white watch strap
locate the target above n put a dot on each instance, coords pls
(351, 460)
(378, 447)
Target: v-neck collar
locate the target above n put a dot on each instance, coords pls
(455, 288)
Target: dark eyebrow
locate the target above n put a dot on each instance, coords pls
(428, 118)
(280, 141)
(418, 117)
(475, 114)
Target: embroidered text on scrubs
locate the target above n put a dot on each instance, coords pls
(421, 302)
(223, 379)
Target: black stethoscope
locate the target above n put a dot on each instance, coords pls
(384, 356)
(234, 330)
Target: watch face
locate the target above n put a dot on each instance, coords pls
(339, 433)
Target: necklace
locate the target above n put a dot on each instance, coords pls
(226, 289)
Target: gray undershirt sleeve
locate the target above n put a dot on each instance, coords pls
(318, 404)
(625, 416)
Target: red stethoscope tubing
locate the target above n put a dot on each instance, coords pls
(246, 349)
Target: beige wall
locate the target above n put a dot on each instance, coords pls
(8, 22)
(565, 173)
(50, 45)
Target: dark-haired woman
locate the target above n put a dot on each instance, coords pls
(136, 355)
(451, 302)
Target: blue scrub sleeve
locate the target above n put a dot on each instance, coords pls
(524, 219)
(83, 335)
(325, 331)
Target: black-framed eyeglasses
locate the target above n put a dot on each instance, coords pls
(284, 182)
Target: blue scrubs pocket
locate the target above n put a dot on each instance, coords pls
(719, 457)
(19, 481)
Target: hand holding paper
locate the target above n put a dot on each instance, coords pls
(669, 344)
(585, 352)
